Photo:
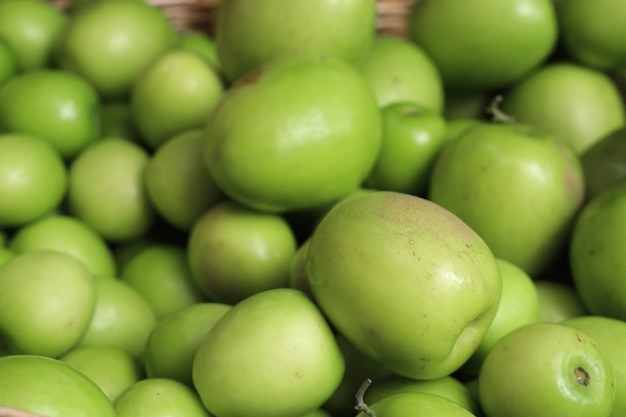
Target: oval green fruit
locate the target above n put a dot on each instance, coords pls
(249, 34)
(416, 404)
(272, 351)
(405, 281)
(296, 134)
(51, 388)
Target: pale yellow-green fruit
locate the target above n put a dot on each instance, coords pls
(272, 351)
(405, 281)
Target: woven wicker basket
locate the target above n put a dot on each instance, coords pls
(200, 14)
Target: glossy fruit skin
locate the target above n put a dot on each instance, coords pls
(412, 137)
(321, 135)
(610, 335)
(111, 368)
(90, 46)
(480, 46)
(604, 163)
(176, 93)
(177, 181)
(66, 234)
(516, 186)
(385, 266)
(55, 105)
(590, 29)
(278, 335)
(595, 253)
(234, 251)
(447, 387)
(174, 340)
(45, 175)
(161, 274)
(31, 28)
(558, 301)
(107, 189)
(400, 71)
(159, 397)
(44, 385)
(579, 105)
(249, 34)
(519, 306)
(424, 404)
(122, 318)
(33, 321)
(560, 368)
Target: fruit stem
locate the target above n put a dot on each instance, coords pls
(498, 115)
(360, 402)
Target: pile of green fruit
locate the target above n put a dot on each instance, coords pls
(298, 216)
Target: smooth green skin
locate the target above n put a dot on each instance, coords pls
(481, 46)
(69, 235)
(604, 163)
(175, 339)
(234, 251)
(517, 187)
(201, 44)
(405, 281)
(159, 397)
(558, 302)
(358, 368)
(610, 335)
(122, 318)
(417, 404)
(107, 190)
(447, 387)
(595, 256)
(412, 137)
(461, 106)
(31, 28)
(8, 62)
(297, 269)
(177, 181)
(590, 32)
(90, 44)
(176, 93)
(116, 121)
(48, 299)
(51, 388)
(249, 34)
(532, 371)
(321, 135)
(111, 368)
(53, 104)
(456, 127)
(519, 306)
(272, 351)
(44, 179)
(579, 105)
(400, 71)
(161, 274)
(5, 255)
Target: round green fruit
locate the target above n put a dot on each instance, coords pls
(546, 369)
(321, 129)
(249, 34)
(415, 404)
(272, 351)
(51, 388)
(479, 45)
(405, 281)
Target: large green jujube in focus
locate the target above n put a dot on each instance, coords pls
(405, 281)
(298, 133)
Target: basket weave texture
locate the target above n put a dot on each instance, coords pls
(200, 14)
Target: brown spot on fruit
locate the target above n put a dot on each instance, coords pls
(582, 377)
